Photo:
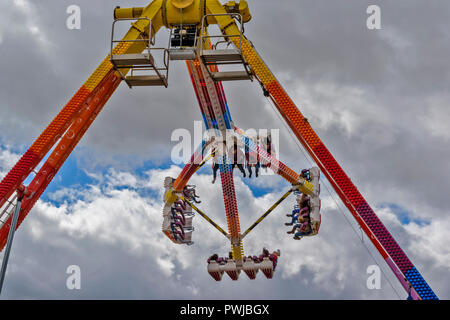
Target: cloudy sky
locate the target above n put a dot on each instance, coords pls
(377, 98)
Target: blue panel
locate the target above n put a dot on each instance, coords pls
(420, 285)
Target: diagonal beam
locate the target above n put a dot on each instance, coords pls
(204, 216)
(276, 204)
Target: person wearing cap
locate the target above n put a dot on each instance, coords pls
(305, 175)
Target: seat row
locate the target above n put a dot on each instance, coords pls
(266, 262)
(178, 216)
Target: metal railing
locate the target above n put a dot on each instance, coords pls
(231, 15)
(149, 42)
(8, 210)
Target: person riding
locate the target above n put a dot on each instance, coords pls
(267, 145)
(215, 164)
(305, 175)
(304, 201)
(217, 159)
(304, 209)
(214, 257)
(189, 193)
(302, 228)
(265, 253)
(274, 258)
(298, 213)
(237, 157)
(252, 160)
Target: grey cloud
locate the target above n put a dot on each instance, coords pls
(384, 119)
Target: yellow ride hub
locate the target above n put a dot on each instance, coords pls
(181, 4)
(175, 12)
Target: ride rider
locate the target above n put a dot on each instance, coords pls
(237, 156)
(304, 209)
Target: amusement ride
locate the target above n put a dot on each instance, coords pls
(210, 59)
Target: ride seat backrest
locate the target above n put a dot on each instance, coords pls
(315, 174)
(166, 223)
(215, 271)
(188, 223)
(315, 209)
(188, 236)
(231, 269)
(250, 268)
(188, 209)
(166, 210)
(266, 267)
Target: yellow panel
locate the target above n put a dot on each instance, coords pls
(181, 4)
(128, 13)
(98, 74)
(256, 63)
(306, 188)
(170, 197)
(191, 15)
(237, 252)
(245, 11)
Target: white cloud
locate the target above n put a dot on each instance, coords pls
(107, 215)
(364, 96)
(437, 117)
(7, 160)
(29, 22)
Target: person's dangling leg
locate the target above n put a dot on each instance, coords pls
(293, 229)
(293, 220)
(247, 159)
(241, 168)
(215, 168)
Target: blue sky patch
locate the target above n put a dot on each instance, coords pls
(404, 215)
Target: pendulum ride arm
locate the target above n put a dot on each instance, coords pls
(214, 108)
(226, 169)
(394, 256)
(69, 125)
